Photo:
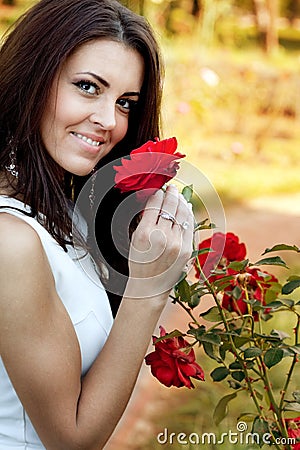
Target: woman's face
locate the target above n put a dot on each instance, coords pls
(88, 108)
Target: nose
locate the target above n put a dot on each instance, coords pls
(105, 116)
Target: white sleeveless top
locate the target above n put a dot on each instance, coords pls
(79, 288)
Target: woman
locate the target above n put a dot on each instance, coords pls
(80, 86)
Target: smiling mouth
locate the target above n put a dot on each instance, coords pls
(87, 140)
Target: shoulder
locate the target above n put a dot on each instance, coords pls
(25, 272)
(22, 255)
(17, 238)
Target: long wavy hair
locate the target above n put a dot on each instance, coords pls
(31, 55)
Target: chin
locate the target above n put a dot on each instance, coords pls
(81, 171)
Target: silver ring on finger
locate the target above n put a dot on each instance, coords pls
(167, 216)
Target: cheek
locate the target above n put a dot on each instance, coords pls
(121, 129)
(46, 129)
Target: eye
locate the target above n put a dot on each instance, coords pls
(88, 87)
(127, 104)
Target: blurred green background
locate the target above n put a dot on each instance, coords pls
(232, 99)
(232, 87)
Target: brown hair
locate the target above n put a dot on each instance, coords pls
(30, 57)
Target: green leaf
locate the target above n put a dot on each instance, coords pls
(212, 351)
(195, 300)
(197, 332)
(220, 373)
(212, 338)
(238, 265)
(295, 349)
(184, 291)
(203, 225)
(187, 192)
(238, 375)
(260, 427)
(288, 351)
(274, 305)
(293, 277)
(290, 286)
(288, 302)
(175, 333)
(292, 406)
(280, 247)
(256, 305)
(236, 293)
(222, 350)
(235, 365)
(239, 341)
(222, 283)
(202, 251)
(212, 314)
(246, 417)
(266, 316)
(272, 292)
(268, 337)
(234, 384)
(221, 409)
(258, 394)
(273, 356)
(182, 277)
(280, 334)
(252, 352)
(296, 395)
(272, 261)
(250, 364)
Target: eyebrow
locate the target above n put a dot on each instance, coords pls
(107, 85)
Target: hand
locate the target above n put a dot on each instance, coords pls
(160, 247)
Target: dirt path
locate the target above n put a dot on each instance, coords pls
(260, 224)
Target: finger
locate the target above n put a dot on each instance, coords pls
(167, 215)
(187, 225)
(184, 226)
(182, 213)
(153, 207)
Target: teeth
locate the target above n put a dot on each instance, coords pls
(88, 140)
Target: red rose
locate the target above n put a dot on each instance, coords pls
(256, 281)
(293, 429)
(234, 250)
(225, 248)
(149, 167)
(171, 365)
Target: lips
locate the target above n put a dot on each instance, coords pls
(95, 141)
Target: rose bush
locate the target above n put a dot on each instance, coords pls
(149, 167)
(231, 332)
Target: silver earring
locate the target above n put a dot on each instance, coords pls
(12, 168)
(92, 191)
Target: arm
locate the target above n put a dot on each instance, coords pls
(38, 343)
